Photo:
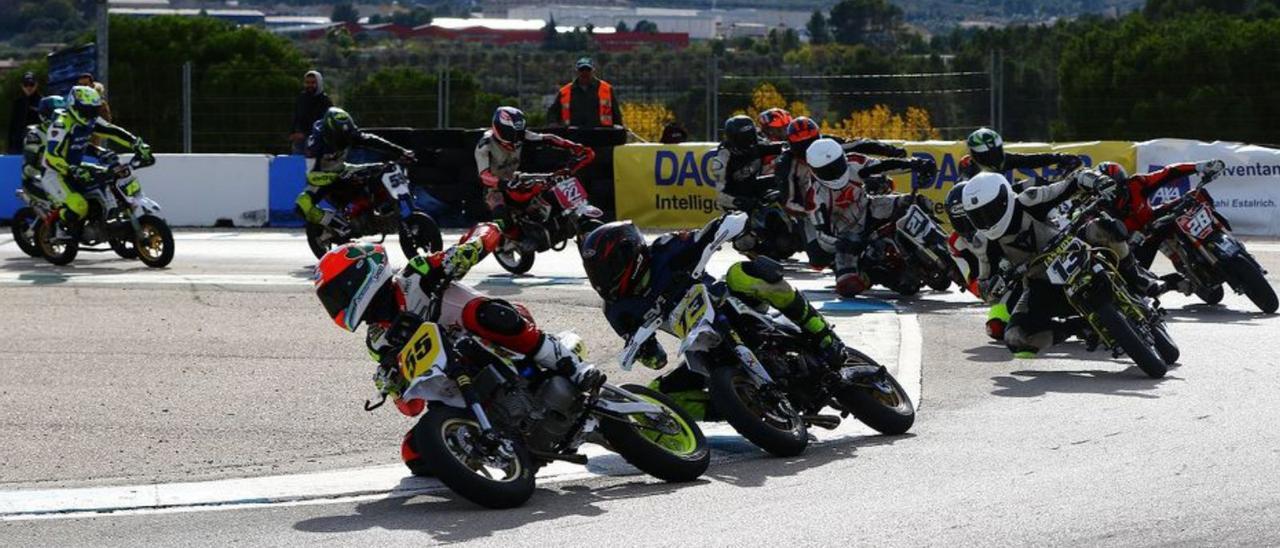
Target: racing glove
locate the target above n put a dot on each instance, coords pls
(652, 355)
(143, 151)
(1069, 162)
(1210, 168)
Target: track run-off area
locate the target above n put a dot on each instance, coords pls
(214, 403)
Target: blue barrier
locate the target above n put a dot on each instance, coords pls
(286, 178)
(10, 180)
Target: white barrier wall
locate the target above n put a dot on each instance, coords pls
(1247, 194)
(203, 189)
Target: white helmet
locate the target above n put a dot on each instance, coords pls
(988, 200)
(830, 167)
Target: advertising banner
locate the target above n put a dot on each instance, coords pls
(669, 186)
(1247, 194)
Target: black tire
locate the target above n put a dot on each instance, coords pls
(123, 248)
(939, 282)
(1253, 282)
(907, 289)
(1142, 354)
(514, 260)
(154, 242)
(889, 413)
(25, 225)
(314, 232)
(782, 438)
(429, 441)
(420, 235)
(659, 461)
(59, 254)
(1212, 295)
(1165, 346)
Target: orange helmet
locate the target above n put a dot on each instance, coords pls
(801, 133)
(774, 123)
(355, 285)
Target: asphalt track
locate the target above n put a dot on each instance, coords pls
(224, 366)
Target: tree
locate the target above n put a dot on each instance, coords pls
(645, 25)
(864, 21)
(622, 27)
(344, 13)
(879, 122)
(550, 37)
(817, 28)
(646, 119)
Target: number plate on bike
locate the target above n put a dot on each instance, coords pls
(690, 311)
(1066, 262)
(915, 224)
(1198, 223)
(570, 193)
(422, 352)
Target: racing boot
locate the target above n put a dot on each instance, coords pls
(1140, 279)
(563, 354)
(819, 333)
(997, 321)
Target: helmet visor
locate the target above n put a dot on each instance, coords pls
(989, 214)
(831, 172)
(339, 295)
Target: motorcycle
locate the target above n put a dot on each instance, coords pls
(911, 252)
(26, 220)
(1123, 321)
(771, 231)
(1203, 250)
(378, 204)
(763, 378)
(491, 423)
(120, 215)
(558, 211)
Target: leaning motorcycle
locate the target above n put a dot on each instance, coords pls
(557, 212)
(911, 252)
(120, 215)
(771, 231)
(378, 203)
(1203, 250)
(763, 378)
(1121, 320)
(492, 420)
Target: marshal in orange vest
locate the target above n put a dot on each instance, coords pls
(605, 94)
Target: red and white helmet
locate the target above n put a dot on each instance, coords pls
(773, 122)
(355, 285)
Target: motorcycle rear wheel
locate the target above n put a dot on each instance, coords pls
(445, 437)
(1165, 345)
(781, 432)
(679, 458)
(123, 248)
(886, 408)
(1120, 329)
(154, 243)
(25, 225)
(314, 233)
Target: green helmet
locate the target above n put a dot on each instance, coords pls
(338, 127)
(83, 103)
(987, 149)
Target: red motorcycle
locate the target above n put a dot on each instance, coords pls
(556, 211)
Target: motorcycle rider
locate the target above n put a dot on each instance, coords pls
(356, 285)
(739, 162)
(498, 159)
(1021, 224)
(331, 177)
(33, 147)
(68, 138)
(1131, 203)
(986, 153)
(773, 123)
(635, 279)
(965, 243)
(854, 214)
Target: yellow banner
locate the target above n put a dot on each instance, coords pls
(669, 186)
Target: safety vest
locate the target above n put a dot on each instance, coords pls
(606, 103)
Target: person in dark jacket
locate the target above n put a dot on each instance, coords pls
(312, 103)
(587, 101)
(24, 112)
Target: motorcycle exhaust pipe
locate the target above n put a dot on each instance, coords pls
(828, 422)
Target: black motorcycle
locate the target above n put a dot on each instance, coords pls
(377, 204)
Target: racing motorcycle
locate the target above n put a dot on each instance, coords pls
(26, 220)
(491, 422)
(379, 203)
(1115, 316)
(1205, 253)
(120, 215)
(912, 252)
(557, 212)
(770, 231)
(763, 378)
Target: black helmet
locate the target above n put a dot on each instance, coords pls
(508, 125)
(740, 133)
(987, 148)
(955, 211)
(616, 259)
(48, 107)
(338, 127)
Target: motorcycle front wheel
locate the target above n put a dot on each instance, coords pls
(1121, 330)
(1253, 283)
(451, 440)
(420, 235)
(513, 260)
(880, 402)
(1211, 295)
(154, 242)
(669, 447)
(1165, 346)
(774, 427)
(25, 225)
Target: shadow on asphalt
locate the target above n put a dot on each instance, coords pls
(41, 272)
(448, 517)
(1213, 313)
(1130, 382)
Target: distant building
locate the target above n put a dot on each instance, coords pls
(503, 32)
(699, 24)
(237, 16)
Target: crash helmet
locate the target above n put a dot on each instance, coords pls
(989, 203)
(49, 106)
(1113, 170)
(954, 205)
(801, 133)
(355, 284)
(987, 149)
(338, 128)
(830, 167)
(508, 126)
(774, 122)
(84, 103)
(740, 134)
(616, 259)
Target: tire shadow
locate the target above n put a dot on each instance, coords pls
(1131, 383)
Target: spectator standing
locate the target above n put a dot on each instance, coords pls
(674, 133)
(587, 101)
(24, 112)
(312, 103)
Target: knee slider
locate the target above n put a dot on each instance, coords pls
(499, 316)
(763, 268)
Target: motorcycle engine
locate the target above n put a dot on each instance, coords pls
(561, 406)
